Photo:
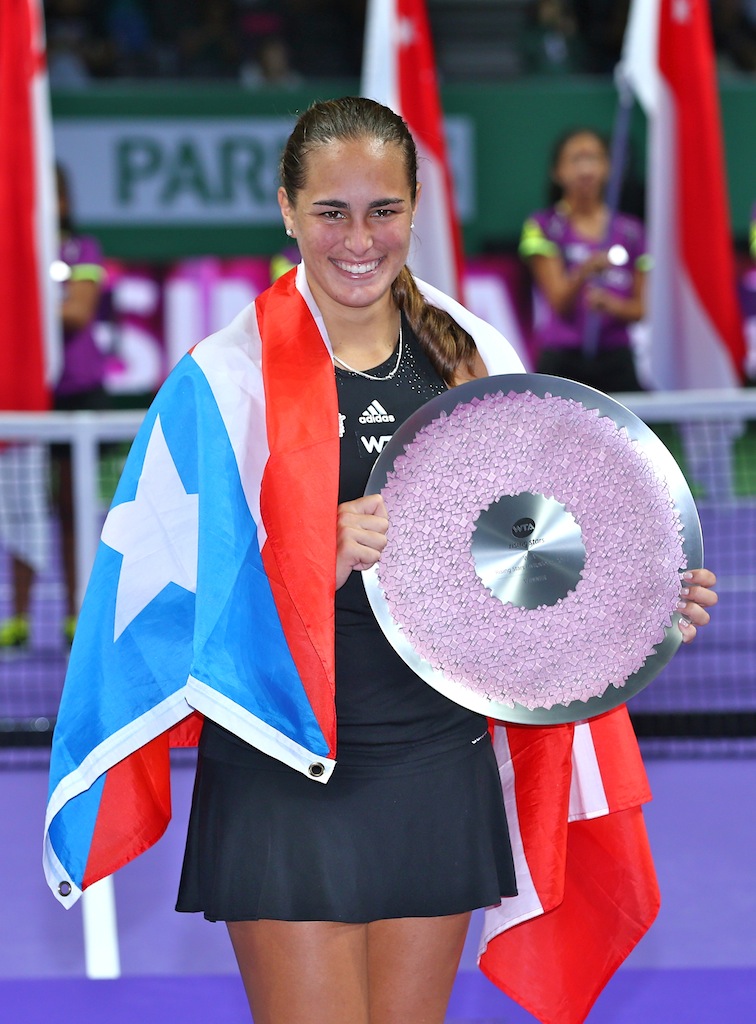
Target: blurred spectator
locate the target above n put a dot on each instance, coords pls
(549, 41)
(266, 50)
(129, 27)
(601, 27)
(271, 65)
(80, 271)
(78, 47)
(589, 268)
(734, 27)
(209, 45)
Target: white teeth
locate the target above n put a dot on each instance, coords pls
(357, 268)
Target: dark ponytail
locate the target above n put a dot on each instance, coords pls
(445, 343)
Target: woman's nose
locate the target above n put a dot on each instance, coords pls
(359, 237)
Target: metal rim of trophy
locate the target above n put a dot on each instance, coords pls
(562, 537)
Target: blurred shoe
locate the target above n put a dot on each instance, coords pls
(69, 628)
(14, 632)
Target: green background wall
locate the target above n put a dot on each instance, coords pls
(514, 127)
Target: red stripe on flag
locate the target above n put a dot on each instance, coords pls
(420, 106)
(399, 70)
(418, 88)
(134, 811)
(557, 964)
(302, 472)
(542, 765)
(22, 348)
(687, 63)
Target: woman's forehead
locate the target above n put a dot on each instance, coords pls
(356, 164)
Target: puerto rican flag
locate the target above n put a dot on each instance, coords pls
(695, 322)
(199, 601)
(212, 591)
(399, 71)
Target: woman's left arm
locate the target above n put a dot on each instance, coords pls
(696, 596)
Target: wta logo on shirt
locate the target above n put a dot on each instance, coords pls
(373, 445)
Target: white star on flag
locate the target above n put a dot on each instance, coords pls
(156, 533)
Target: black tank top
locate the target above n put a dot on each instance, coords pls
(385, 712)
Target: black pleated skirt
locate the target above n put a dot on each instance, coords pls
(421, 839)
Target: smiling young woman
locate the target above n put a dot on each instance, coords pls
(347, 818)
(345, 905)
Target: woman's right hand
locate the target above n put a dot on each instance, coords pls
(361, 528)
(596, 263)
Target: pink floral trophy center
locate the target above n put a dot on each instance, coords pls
(454, 574)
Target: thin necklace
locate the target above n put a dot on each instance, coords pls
(370, 376)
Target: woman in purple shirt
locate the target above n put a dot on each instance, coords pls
(589, 270)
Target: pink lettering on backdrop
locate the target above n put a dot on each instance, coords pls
(156, 312)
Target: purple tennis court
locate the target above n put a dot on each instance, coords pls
(697, 963)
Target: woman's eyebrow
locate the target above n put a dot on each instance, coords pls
(339, 204)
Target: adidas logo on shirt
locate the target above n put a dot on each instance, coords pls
(375, 413)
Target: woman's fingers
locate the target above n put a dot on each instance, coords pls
(696, 596)
(361, 528)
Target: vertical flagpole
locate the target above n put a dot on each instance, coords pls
(98, 906)
(617, 162)
(101, 954)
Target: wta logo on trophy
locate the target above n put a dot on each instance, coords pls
(523, 528)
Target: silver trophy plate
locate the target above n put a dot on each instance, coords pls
(510, 580)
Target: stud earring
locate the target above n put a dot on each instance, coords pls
(289, 232)
(412, 225)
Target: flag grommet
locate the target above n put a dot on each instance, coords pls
(316, 769)
(64, 889)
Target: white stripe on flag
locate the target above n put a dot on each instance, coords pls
(242, 360)
(431, 255)
(46, 209)
(379, 74)
(587, 793)
(639, 51)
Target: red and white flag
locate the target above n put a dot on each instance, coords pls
(29, 331)
(587, 889)
(399, 70)
(695, 321)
